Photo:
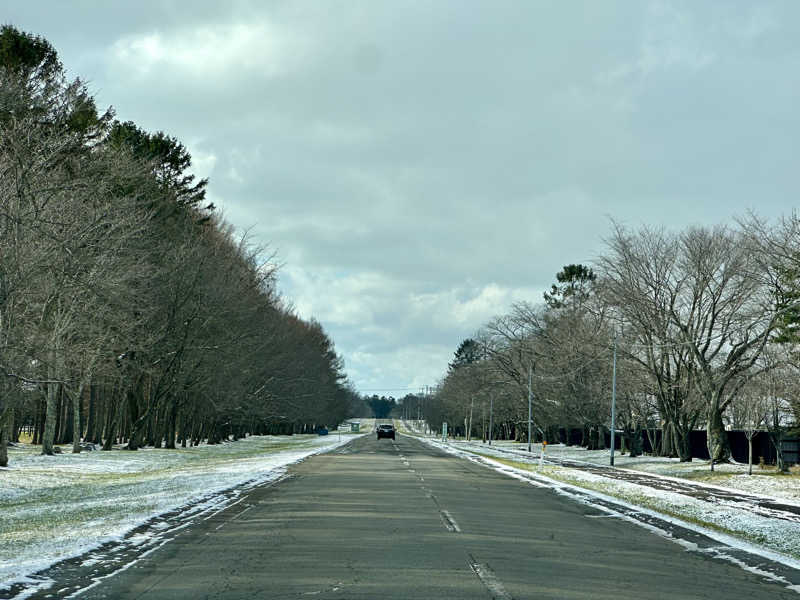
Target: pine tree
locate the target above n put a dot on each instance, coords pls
(469, 351)
(170, 159)
(575, 281)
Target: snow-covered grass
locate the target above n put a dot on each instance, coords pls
(764, 482)
(55, 507)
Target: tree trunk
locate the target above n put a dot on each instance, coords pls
(111, 432)
(3, 441)
(16, 426)
(58, 434)
(652, 437)
(67, 403)
(750, 455)
(137, 432)
(92, 415)
(668, 441)
(77, 402)
(41, 408)
(102, 399)
(4, 422)
(112, 417)
(139, 422)
(635, 443)
(51, 411)
(684, 445)
(171, 414)
(776, 437)
(76, 424)
(719, 448)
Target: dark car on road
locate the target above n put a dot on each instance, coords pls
(386, 430)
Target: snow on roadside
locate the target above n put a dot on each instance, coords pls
(56, 507)
(770, 487)
(731, 476)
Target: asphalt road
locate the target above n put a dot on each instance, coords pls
(383, 519)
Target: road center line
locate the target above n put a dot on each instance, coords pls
(449, 521)
(489, 579)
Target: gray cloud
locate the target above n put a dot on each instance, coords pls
(419, 166)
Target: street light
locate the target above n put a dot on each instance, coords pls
(530, 393)
(491, 416)
(614, 400)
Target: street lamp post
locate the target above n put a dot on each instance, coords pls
(614, 400)
(469, 429)
(491, 416)
(530, 376)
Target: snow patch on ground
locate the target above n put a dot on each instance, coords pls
(57, 507)
(729, 475)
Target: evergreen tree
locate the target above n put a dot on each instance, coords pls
(169, 158)
(574, 282)
(468, 352)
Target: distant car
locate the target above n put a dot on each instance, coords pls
(386, 430)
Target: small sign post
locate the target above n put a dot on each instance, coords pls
(444, 431)
(542, 453)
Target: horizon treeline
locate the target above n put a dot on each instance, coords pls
(700, 327)
(130, 312)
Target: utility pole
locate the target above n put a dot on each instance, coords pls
(483, 422)
(491, 416)
(469, 429)
(614, 400)
(530, 377)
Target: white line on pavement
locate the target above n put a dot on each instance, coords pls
(489, 579)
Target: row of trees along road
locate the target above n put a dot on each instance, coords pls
(705, 325)
(129, 311)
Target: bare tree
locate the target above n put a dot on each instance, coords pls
(702, 308)
(750, 410)
(640, 280)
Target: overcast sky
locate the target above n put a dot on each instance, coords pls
(419, 166)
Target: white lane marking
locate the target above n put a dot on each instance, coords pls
(236, 516)
(489, 579)
(334, 588)
(449, 521)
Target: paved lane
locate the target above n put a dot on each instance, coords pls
(401, 520)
